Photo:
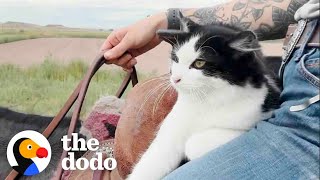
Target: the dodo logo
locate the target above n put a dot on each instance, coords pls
(29, 152)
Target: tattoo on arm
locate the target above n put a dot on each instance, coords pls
(269, 19)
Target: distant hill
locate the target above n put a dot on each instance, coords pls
(22, 25)
(12, 24)
(16, 31)
(55, 26)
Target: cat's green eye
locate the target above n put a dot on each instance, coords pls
(199, 64)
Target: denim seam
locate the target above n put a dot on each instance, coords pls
(314, 80)
(313, 59)
(284, 65)
(313, 65)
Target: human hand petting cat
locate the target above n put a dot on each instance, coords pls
(124, 44)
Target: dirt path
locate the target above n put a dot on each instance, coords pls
(28, 52)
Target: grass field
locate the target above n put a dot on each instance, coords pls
(43, 89)
(15, 34)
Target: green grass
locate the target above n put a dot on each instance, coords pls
(10, 34)
(43, 89)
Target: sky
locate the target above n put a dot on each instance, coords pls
(105, 14)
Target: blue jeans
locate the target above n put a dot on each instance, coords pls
(285, 146)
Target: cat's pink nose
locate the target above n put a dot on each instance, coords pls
(176, 79)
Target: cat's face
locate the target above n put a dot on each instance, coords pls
(189, 66)
(207, 58)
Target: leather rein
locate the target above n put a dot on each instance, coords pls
(77, 98)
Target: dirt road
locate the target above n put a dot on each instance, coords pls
(28, 52)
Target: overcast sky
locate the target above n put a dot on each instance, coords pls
(88, 13)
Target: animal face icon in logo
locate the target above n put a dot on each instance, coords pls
(29, 153)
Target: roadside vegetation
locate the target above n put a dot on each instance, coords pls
(15, 34)
(44, 88)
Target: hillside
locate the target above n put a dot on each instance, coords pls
(16, 31)
(22, 25)
(12, 24)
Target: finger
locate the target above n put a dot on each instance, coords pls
(118, 50)
(130, 64)
(152, 44)
(112, 40)
(136, 52)
(127, 70)
(112, 61)
(107, 43)
(123, 60)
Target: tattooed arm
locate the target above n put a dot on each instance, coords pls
(269, 19)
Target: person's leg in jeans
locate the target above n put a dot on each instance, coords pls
(283, 147)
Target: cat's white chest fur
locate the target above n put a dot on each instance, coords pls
(195, 126)
(217, 119)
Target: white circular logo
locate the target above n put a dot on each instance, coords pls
(29, 152)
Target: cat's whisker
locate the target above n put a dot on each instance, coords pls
(168, 40)
(198, 95)
(177, 41)
(210, 86)
(207, 40)
(155, 105)
(148, 95)
(215, 52)
(203, 96)
(195, 94)
(191, 85)
(163, 77)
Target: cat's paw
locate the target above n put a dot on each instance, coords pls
(201, 143)
(194, 149)
(145, 174)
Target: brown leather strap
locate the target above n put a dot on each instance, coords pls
(55, 122)
(99, 61)
(75, 116)
(79, 95)
(130, 76)
(313, 42)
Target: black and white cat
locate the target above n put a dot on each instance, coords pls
(223, 91)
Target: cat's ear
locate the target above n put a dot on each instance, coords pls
(171, 36)
(245, 41)
(187, 25)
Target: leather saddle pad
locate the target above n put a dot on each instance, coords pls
(146, 106)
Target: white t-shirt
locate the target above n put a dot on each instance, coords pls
(310, 10)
